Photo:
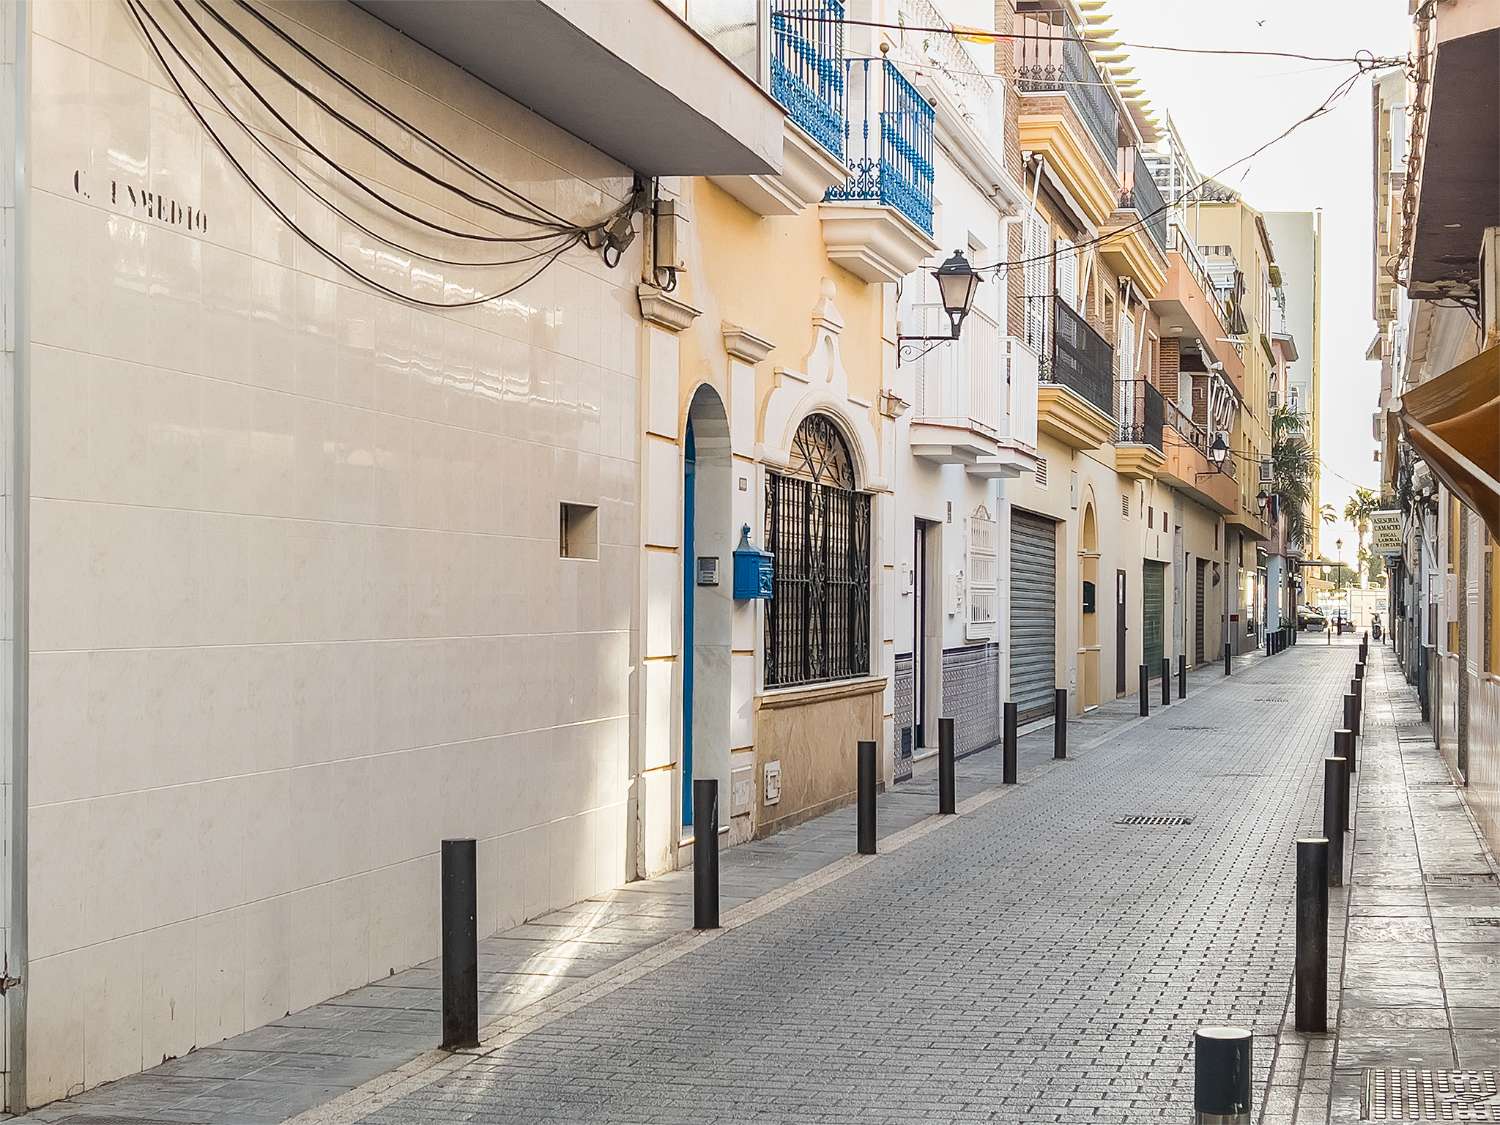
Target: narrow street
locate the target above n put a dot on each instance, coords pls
(1037, 960)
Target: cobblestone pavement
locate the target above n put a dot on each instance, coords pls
(1035, 960)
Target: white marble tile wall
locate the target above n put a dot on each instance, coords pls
(297, 606)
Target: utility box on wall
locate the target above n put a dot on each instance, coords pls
(753, 570)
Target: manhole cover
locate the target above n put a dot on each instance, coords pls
(1459, 879)
(1430, 1095)
(1155, 821)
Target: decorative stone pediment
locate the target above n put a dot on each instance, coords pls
(821, 385)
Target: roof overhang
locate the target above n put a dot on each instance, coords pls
(1459, 192)
(629, 77)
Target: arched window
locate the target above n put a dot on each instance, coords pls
(818, 529)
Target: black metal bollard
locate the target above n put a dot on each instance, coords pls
(1166, 682)
(1351, 716)
(1333, 824)
(460, 945)
(1145, 691)
(1228, 656)
(1344, 747)
(947, 785)
(705, 853)
(1311, 967)
(865, 798)
(1060, 724)
(1222, 1073)
(1268, 643)
(1182, 676)
(1008, 745)
(1355, 690)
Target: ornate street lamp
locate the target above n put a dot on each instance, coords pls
(1218, 450)
(957, 284)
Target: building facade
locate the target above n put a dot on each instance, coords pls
(1436, 242)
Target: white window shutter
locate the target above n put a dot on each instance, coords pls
(1067, 272)
(983, 568)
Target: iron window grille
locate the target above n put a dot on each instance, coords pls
(818, 530)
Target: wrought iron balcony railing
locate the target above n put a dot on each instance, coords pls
(1050, 56)
(888, 141)
(1194, 435)
(1143, 196)
(807, 67)
(1141, 411)
(1079, 358)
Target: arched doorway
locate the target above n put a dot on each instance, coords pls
(1088, 596)
(707, 558)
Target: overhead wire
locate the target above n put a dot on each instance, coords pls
(354, 180)
(142, 16)
(387, 112)
(333, 206)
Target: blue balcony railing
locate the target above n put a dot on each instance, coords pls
(807, 67)
(887, 141)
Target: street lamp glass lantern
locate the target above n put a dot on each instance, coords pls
(1219, 449)
(1261, 498)
(957, 284)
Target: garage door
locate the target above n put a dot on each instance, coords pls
(1033, 614)
(1153, 606)
(1200, 600)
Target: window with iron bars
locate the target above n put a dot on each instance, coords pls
(818, 531)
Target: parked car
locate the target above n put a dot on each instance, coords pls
(1309, 618)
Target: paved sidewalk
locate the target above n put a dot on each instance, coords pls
(313, 1056)
(1414, 948)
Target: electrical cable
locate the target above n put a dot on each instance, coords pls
(976, 33)
(334, 207)
(390, 114)
(349, 176)
(1337, 94)
(141, 16)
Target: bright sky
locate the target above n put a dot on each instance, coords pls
(1225, 107)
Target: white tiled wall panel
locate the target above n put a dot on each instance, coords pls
(297, 606)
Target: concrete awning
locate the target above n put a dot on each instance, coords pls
(1453, 420)
(627, 76)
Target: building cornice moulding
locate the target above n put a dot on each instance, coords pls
(744, 344)
(663, 310)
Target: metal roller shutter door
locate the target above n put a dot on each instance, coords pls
(1033, 614)
(1198, 619)
(1153, 609)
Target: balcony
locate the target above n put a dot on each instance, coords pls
(1075, 392)
(976, 399)
(1051, 58)
(807, 77)
(1188, 467)
(878, 223)
(554, 56)
(1190, 311)
(1138, 437)
(1135, 238)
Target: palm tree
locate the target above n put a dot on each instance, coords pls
(1327, 514)
(1360, 507)
(1292, 469)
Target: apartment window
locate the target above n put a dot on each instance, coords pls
(1036, 246)
(1067, 272)
(818, 530)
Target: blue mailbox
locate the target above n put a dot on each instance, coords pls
(752, 569)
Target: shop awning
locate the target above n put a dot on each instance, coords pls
(1453, 420)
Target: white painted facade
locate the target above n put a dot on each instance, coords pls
(297, 606)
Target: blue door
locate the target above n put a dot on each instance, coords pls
(689, 489)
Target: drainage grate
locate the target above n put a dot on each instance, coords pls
(1155, 821)
(1430, 1095)
(1194, 728)
(1459, 879)
(1485, 922)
